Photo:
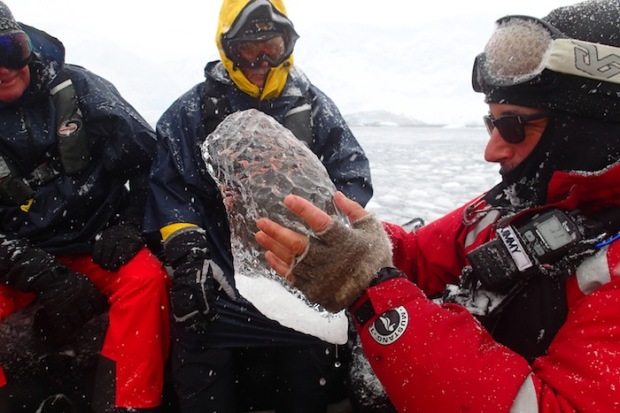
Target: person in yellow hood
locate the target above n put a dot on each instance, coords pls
(226, 355)
(256, 40)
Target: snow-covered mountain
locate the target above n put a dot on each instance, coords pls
(380, 118)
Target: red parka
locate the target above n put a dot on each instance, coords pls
(438, 358)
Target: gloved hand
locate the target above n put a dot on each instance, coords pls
(116, 246)
(195, 279)
(193, 294)
(340, 262)
(68, 299)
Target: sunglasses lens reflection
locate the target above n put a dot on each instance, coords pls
(15, 50)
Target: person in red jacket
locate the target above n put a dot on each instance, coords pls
(509, 303)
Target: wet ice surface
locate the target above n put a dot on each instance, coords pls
(256, 163)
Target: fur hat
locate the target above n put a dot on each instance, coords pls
(571, 76)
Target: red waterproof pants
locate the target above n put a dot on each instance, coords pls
(138, 335)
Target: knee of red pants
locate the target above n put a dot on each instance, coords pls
(145, 273)
(143, 270)
(137, 293)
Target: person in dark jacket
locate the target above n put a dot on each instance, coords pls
(74, 161)
(508, 303)
(216, 336)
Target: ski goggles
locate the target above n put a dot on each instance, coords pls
(511, 127)
(250, 53)
(521, 48)
(15, 50)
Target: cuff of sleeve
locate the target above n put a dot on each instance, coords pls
(389, 282)
(172, 228)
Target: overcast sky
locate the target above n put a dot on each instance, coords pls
(152, 17)
(172, 40)
(150, 24)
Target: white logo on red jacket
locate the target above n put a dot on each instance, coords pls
(390, 326)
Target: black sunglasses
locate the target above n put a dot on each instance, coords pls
(511, 127)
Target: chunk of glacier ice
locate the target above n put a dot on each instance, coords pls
(256, 162)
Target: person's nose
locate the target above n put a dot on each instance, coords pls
(263, 63)
(497, 149)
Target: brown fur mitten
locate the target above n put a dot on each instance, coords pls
(340, 262)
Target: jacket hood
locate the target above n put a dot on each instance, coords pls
(49, 49)
(276, 79)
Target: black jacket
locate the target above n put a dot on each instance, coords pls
(67, 211)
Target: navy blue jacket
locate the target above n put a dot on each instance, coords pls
(182, 191)
(67, 212)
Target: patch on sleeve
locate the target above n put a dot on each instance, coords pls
(390, 326)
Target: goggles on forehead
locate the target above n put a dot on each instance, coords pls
(523, 47)
(250, 53)
(15, 50)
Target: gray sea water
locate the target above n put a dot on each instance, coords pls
(425, 171)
